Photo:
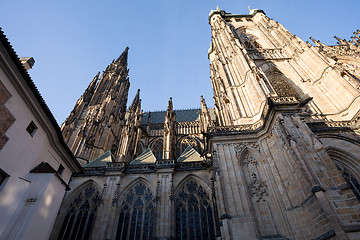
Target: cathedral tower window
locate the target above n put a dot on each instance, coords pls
(281, 84)
(195, 216)
(79, 220)
(137, 214)
(249, 41)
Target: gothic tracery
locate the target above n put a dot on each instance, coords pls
(195, 217)
(80, 217)
(136, 217)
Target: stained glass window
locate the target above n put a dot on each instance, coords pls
(137, 214)
(195, 216)
(80, 218)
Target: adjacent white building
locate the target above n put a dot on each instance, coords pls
(35, 163)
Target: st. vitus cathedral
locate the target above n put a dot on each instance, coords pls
(277, 158)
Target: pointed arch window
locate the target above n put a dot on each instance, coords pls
(188, 141)
(350, 179)
(348, 167)
(157, 148)
(249, 41)
(283, 86)
(137, 214)
(195, 215)
(79, 220)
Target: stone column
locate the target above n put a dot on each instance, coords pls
(106, 211)
(237, 220)
(165, 206)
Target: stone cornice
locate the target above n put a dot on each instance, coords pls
(120, 167)
(226, 15)
(326, 125)
(281, 104)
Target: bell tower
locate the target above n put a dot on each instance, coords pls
(254, 60)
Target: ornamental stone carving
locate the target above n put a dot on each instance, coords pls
(249, 160)
(258, 189)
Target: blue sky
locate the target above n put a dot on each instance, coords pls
(72, 40)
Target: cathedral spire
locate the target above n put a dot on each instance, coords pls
(123, 57)
(102, 110)
(90, 89)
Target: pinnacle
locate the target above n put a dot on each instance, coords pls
(137, 96)
(97, 75)
(136, 100)
(170, 105)
(202, 101)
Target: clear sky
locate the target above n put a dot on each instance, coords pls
(72, 40)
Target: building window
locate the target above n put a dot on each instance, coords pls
(60, 170)
(157, 148)
(3, 176)
(195, 216)
(80, 218)
(249, 41)
(351, 180)
(31, 129)
(188, 141)
(137, 214)
(281, 84)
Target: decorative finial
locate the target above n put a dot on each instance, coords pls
(217, 8)
(249, 8)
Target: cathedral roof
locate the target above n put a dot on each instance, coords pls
(100, 161)
(187, 115)
(189, 155)
(146, 157)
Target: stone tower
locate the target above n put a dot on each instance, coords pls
(283, 106)
(278, 157)
(94, 125)
(254, 58)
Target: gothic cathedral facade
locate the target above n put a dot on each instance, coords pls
(277, 158)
